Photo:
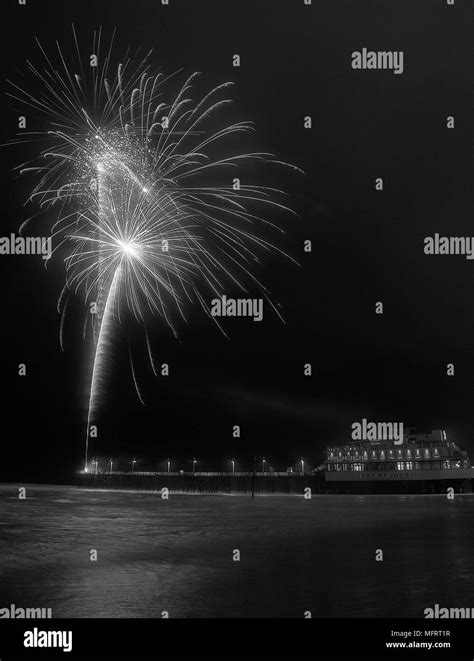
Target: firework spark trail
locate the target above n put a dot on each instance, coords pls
(104, 343)
(146, 213)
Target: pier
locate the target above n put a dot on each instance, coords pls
(207, 483)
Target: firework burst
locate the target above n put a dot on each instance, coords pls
(149, 213)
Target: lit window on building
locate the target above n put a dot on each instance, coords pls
(357, 467)
(400, 465)
(409, 465)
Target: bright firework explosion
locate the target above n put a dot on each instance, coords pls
(147, 215)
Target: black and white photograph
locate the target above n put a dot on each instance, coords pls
(237, 375)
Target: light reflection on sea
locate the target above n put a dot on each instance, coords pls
(175, 555)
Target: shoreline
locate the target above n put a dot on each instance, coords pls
(245, 496)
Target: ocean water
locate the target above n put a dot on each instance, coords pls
(176, 555)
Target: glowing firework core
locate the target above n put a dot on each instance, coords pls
(129, 249)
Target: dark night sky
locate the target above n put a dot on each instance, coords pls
(367, 245)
